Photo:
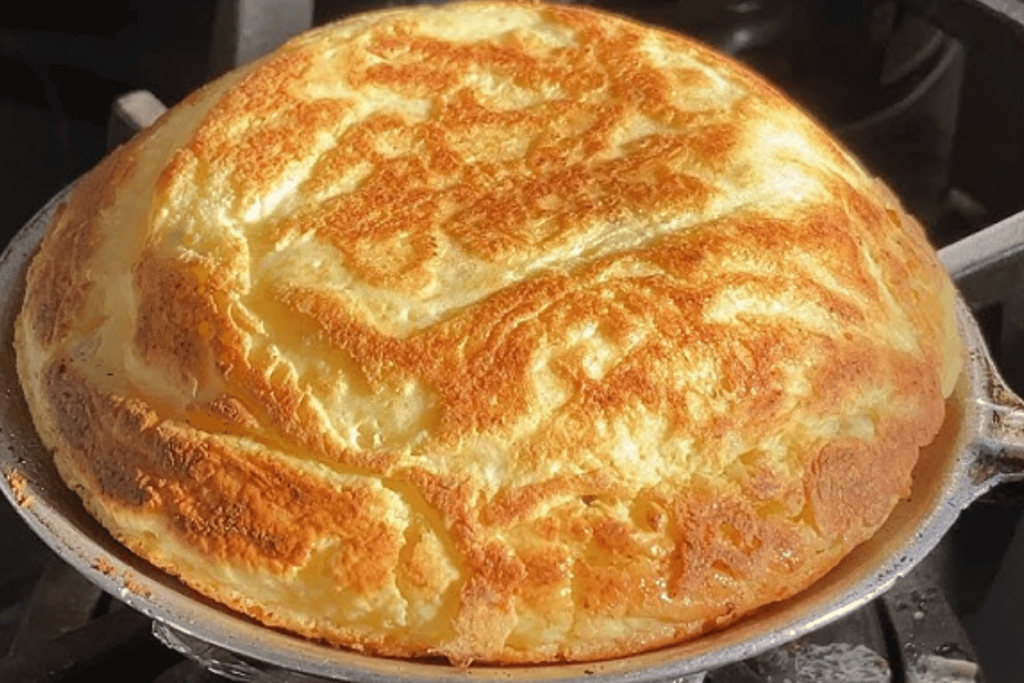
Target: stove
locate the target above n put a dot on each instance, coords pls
(924, 91)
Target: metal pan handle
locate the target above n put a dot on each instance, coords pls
(987, 267)
(989, 263)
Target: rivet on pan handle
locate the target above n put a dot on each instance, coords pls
(1001, 446)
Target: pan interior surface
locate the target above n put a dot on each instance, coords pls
(943, 485)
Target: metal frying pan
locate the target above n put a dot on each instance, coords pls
(980, 446)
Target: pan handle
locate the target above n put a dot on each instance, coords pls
(989, 263)
(988, 268)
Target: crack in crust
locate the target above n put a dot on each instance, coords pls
(500, 332)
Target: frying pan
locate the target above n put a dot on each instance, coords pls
(980, 446)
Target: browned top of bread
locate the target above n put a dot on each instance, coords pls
(501, 332)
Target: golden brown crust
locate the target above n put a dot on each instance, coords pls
(501, 332)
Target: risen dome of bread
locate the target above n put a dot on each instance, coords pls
(500, 332)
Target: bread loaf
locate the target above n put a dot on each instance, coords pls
(500, 332)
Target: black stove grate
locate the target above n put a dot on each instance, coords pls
(69, 630)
